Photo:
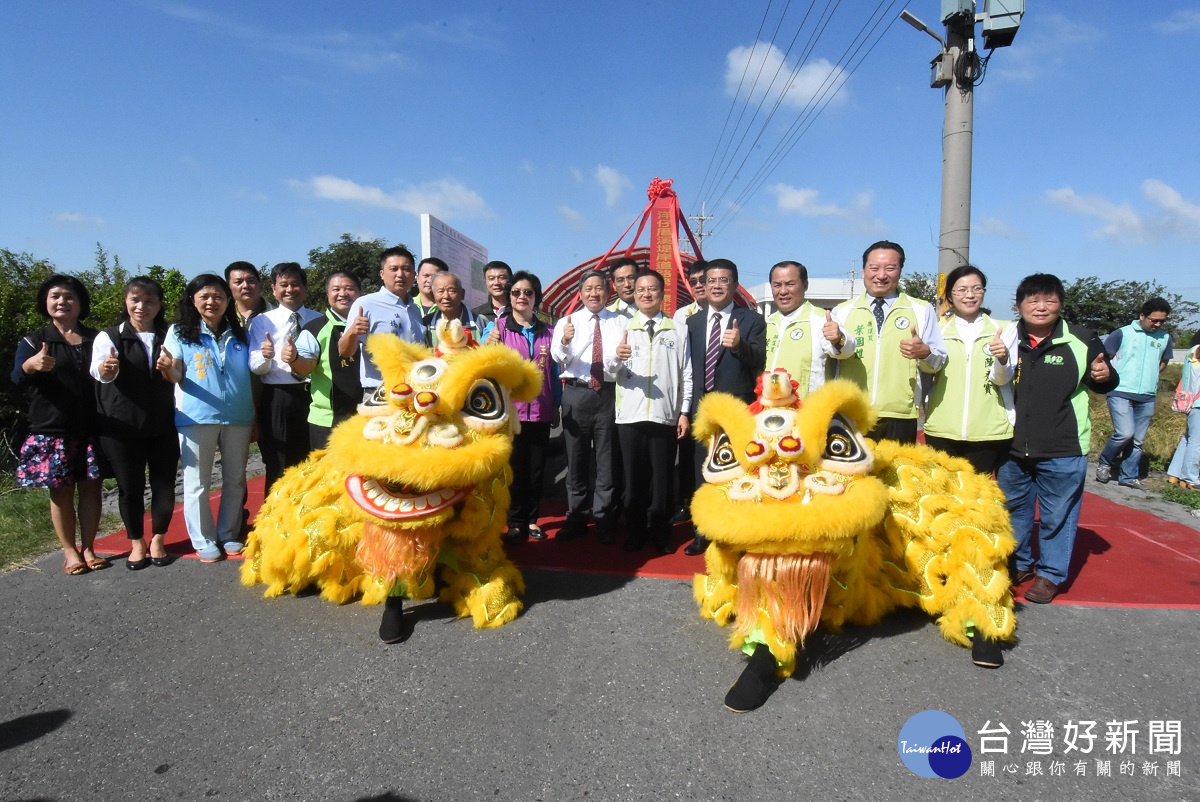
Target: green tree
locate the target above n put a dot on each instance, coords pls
(173, 283)
(20, 276)
(1108, 305)
(360, 257)
(106, 285)
(919, 285)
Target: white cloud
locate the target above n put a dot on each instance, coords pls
(1182, 21)
(577, 174)
(1046, 49)
(1171, 216)
(574, 220)
(76, 219)
(445, 198)
(804, 202)
(996, 227)
(761, 71)
(807, 202)
(359, 52)
(612, 182)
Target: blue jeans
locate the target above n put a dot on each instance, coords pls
(1185, 465)
(1131, 421)
(1056, 487)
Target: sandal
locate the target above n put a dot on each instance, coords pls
(98, 563)
(76, 569)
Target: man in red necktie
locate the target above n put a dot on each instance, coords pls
(584, 346)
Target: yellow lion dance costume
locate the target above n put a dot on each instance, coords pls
(418, 479)
(811, 523)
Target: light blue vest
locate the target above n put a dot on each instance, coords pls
(1138, 358)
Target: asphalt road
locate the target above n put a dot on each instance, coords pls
(179, 683)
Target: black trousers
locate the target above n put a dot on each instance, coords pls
(528, 464)
(985, 456)
(648, 454)
(282, 428)
(130, 459)
(903, 430)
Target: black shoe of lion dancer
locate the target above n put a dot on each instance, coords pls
(391, 628)
(756, 683)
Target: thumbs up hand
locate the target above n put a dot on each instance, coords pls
(288, 353)
(267, 349)
(1099, 369)
(624, 350)
(41, 362)
(360, 325)
(913, 347)
(165, 364)
(110, 365)
(832, 331)
(568, 332)
(731, 337)
(998, 349)
(493, 335)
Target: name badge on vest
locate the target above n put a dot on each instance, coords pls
(902, 322)
(798, 334)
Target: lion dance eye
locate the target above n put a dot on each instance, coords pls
(722, 461)
(840, 443)
(484, 401)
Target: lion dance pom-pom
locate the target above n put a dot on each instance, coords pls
(813, 524)
(417, 481)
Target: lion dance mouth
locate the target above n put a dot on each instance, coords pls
(400, 503)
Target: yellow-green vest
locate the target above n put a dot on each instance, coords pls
(964, 403)
(796, 347)
(877, 366)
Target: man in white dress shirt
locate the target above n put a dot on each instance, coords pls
(283, 406)
(585, 347)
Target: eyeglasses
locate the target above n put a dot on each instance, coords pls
(718, 281)
(963, 292)
(521, 293)
(696, 282)
(624, 280)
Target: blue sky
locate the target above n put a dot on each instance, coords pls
(192, 134)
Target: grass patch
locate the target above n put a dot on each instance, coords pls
(25, 529)
(1180, 495)
(1166, 427)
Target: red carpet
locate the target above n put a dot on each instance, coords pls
(1123, 557)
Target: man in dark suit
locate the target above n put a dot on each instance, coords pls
(729, 350)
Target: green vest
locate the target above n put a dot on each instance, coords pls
(877, 366)
(791, 347)
(964, 403)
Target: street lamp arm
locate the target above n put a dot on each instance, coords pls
(920, 26)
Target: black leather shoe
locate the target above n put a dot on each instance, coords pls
(536, 533)
(755, 684)
(986, 652)
(680, 515)
(515, 534)
(137, 565)
(664, 546)
(571, 530)
(698, 546)
(391, 628)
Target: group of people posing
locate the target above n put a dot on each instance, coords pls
(626, 379)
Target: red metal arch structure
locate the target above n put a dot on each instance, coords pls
(662, 216)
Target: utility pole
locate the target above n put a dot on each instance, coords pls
(956, 70)
(700, 220)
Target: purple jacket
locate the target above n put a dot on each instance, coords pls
(545, 406)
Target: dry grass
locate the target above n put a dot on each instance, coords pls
(1166, 428)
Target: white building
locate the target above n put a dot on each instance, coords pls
(823, 292)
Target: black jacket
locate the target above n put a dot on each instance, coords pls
(139, 402)
(62, 402)
(737, 369)
(1050, 392)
